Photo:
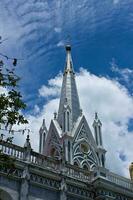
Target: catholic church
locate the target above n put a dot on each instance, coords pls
(71, 162)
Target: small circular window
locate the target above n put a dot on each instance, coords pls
(84, 147)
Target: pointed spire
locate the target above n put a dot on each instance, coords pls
(43, 131)
(69, 64)
(97, 130)
(69, 107)
(96, 115)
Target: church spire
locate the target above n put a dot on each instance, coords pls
(69, 107)
(69, 64)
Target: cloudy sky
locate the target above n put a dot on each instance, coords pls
(101, 35)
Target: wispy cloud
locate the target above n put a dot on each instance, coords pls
(123, 73)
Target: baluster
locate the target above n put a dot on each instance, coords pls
(8, 150)
(21, 155)
(32, 159)
(17, 154)
(2, 148)
(12, 151)
(5, 150)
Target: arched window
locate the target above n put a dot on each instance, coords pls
(85, 167)
(69, 148)
(103, 161)
(68, 123)
(96, 135)
(64, 121)
(54, 152)
(76, 164)
(100, 137)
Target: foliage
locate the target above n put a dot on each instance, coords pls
(11, 102)
(11, 105)
(7, 162)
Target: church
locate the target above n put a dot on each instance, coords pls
(71, 162)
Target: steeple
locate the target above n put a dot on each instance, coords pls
(97, 125)
(42, 132)
(97, 130)
(69, 107)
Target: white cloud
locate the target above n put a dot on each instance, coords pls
(57, 29)
(60, 43)
(114, 105)
(53, 88)
(125, 74)
(116, 1)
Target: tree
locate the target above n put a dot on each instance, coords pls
(11, 102)
(11, 105)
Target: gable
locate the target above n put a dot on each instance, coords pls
(84, 146)
(52, 142)
(82, 131)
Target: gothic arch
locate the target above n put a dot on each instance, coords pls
(86, 166)
(76, 163)
(54, 152)
(5, 195)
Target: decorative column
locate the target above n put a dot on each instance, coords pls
(63, 187)
(24, 190)
(43, 131)
(97, 125)
(27, 150)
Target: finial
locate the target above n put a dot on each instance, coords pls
(68, 47)
(81, 112)
(27, 142)
(55, 115)
(43, 123)
(96, 115)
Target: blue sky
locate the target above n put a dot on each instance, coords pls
(101, 35)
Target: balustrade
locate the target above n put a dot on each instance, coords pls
(55, 165)
(11, 149)
(119, 180)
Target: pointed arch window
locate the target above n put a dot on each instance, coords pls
(68, 122)
(100, 137)
(54, 152)
(69, 151)
(103, 161)
(96, 135)
(76, 164)
(85, 167)
(64, 121)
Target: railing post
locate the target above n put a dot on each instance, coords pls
(24, 190)
(63, 169)
(27, 150)
(63, 189)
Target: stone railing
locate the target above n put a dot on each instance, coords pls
(20, 153)
(119, 180)
(78, 173)
(113, 178)
(12, 150)
(42, 161)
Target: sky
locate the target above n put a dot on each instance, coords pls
(101, 35)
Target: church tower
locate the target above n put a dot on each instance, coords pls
(69, 132)
(69, 107)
